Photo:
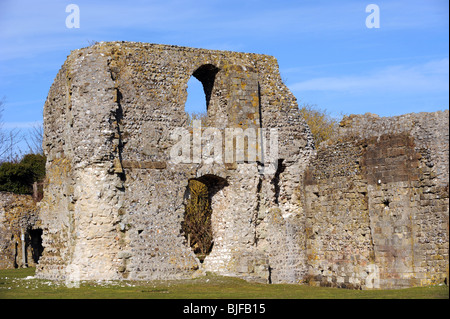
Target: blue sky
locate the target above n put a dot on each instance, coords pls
(327, 55)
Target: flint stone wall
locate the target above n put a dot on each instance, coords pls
(377, 203)
(367, 209)
(114, 201)
(18, 215)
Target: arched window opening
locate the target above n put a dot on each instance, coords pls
(200, 87)
(195, 103)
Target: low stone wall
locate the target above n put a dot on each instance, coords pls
(377, 206)
(18, 230)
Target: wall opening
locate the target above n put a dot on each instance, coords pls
(276, 180)
(195, 103)
(197, 223)
(199, 91)
(36, 244)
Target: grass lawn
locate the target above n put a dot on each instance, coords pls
(18, 283)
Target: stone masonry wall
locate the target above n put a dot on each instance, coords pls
(18, 222)
(114, 201)
(367, 209)
(377, 203)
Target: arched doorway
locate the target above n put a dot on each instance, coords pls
(199, 206)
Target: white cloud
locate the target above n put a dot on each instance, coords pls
(429, 77)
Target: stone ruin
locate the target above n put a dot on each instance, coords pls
(367, 209)
(20, 234)
(115, 201)
(376, 203)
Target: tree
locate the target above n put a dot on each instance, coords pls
(34, 140)
(36, 162)
(19, 177)
(17, 173)
(321, 123)
(203, 117)
(8, 140)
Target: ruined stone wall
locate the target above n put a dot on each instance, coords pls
(18, 223)
(376, 202)
(367, 209)
(114, 200)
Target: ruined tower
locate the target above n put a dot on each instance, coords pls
(115, 201)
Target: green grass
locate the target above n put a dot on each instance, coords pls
(14, 285)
